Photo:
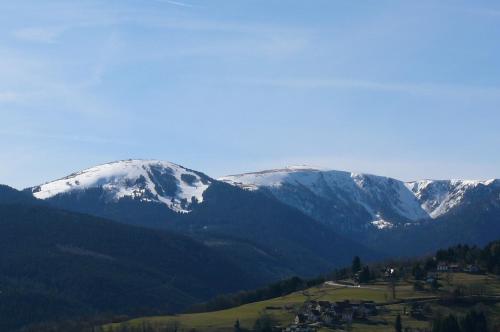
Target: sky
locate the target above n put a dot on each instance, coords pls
(408, 89)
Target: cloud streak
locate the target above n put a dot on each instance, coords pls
(485, 12)
(9, 96)
(65, 137)
(409, 88)
(46, 35)
(176, 3)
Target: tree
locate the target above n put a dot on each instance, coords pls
(391, 284)
(430, 264)
(398, 326)
(450, 324)
(435, 285)
(474, 322)
(356, 265)
(418, 272)
(364, 275)
(237, 327)
(172, 326)
(264, 323)
(446, 324)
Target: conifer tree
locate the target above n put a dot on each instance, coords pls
(356, 265)
(398, 326)
(237, 327)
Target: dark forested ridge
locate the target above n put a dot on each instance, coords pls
(294, 240)
(10, 195)
(56, 264)
(126, 210)
(273, 239)
(477, 223)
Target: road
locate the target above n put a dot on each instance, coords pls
(336, 284)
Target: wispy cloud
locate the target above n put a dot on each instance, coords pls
(47, 35)
(38, 81)
(9, 96)
(176, 3)
(65, 137)
(410, 88)
(472, 10)
(485, 12)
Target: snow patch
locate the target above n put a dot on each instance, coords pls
(381, 223)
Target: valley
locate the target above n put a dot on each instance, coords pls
(283, 309)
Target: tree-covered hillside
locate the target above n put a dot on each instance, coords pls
(269, 239)
(56, 264)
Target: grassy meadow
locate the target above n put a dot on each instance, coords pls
(283, 308)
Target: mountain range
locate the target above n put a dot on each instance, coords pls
(353, 201)
(158, 225)
(355, 206)
(386, 214)
(274, 239)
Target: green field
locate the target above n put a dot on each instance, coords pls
(283, 308)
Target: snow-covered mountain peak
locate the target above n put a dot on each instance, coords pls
(144, 180)
(373, 195)
(330, 195)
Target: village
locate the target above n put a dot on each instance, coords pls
(316, 314)
(393, 296)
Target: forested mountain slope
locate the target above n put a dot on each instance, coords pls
(56, 264)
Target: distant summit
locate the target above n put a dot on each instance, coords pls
(356, 201)
(144, 180)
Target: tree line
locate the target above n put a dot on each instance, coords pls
(277, 289)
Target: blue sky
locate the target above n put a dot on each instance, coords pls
(409, 89)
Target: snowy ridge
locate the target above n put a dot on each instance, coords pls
(388, 201)
(268, 178)
(144, 180)
(351, 201)
(440, 196)
(375, 196)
